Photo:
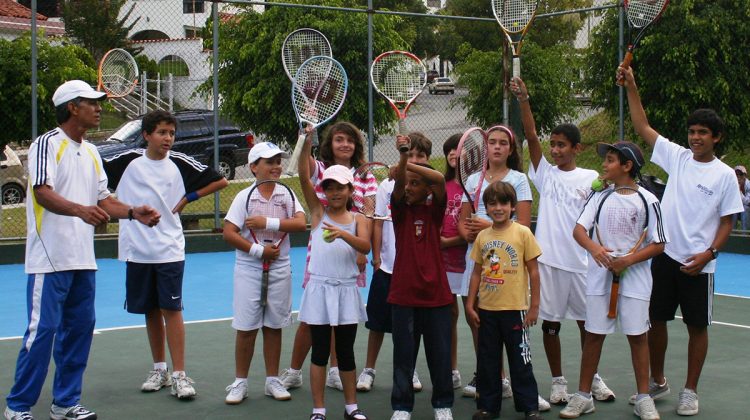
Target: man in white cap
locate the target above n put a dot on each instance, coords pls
(744, 184)
(68, 197)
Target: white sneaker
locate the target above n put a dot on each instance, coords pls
(334, 380)
(290, 379)
(17, 415)
(275, 389)
(401, 415)
(577, 405)
(443, 414)
(656, 391)
(506, 389)
(182, 386)
(558, 393)
(236, 393)
(646, 410)
(456, 376)
(156, 380)
(365, 380)
(688, 405)
(415, 383)
(543, 404)
(76, 412)
(470, 390)
(600, 391)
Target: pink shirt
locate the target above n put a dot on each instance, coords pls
(454, 257)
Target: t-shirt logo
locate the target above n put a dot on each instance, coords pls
(418, 225)
(494, 273)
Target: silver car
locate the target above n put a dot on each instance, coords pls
(13, 177)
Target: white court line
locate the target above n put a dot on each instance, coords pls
(734, 296)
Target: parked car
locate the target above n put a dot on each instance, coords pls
(431, 75)
(441, 84)
(194, 137)
(12, 177)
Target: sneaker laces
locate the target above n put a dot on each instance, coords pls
(23, 415)
(234, 387)
(155, 376)
(577, 402)
(647, 406)
(182, 381)
(276, 386)
(688, 398)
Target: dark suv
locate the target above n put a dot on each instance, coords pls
(194, 137)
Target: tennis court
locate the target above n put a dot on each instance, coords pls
(120, 358)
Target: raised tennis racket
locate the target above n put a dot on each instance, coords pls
(641, 14)
(379, 172)
(118, 73)
(400, 77)
(515, 17)
(621, 224)
(280, 205)
(318, 93)
(472, 162)
(299, 46)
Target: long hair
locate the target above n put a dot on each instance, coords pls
(514, 158)
(450, 144)
(351, 130)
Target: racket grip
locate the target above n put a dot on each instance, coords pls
(264, 284)
(625, 64)
(402, 131)
(516, 67)
(315, 137)
(613, 295)
(291, 168)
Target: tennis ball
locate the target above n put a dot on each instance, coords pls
(327, 235)
(597, 185)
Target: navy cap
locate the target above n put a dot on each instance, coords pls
(630, 150)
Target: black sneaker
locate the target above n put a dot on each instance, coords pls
(484, 415)
(533, 415)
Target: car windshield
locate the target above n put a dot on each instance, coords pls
(126, 131)
(444, 80)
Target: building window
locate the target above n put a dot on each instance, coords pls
(173, 65)
(193, 6)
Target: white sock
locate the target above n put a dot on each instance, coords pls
(160, 366)
(561, 377)
(597, 377)
(271, 378)
(334, 369)
(294, 371)
(238, 381)
(319, 411)
(350, 408)
(177, 373)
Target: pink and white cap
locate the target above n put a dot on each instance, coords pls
(340, 174)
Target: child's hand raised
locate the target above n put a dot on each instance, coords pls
(518, 87)
(403, 143)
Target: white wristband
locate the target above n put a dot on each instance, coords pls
(256, 250)
(273, 223)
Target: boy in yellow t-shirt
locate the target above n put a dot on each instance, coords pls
(505, 268)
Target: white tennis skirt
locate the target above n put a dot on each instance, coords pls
(330, 301)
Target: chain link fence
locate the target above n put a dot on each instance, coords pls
(172, 43)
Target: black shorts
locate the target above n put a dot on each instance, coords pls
(378, 309)
(672, 288)
(151, 286)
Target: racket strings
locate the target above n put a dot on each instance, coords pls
(280, 206)
(118, 72)
(642, 12)
(398, 77)
(320, 89)
(514, 15)
(300, 46)
(472, 157)
(622, 220)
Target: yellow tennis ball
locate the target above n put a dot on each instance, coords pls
(597, 185)
(327, 235)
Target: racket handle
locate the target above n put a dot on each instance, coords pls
(291, 168)
(402, 131)
(264, 283)
(625, 64)
(613, 295)
(315, 138)
(516, 67)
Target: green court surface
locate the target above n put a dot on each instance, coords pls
(120, 361)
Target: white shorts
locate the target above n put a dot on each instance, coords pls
(466, 276)
(562, 294)
(247, 312)
(455, 281)
(632, 315)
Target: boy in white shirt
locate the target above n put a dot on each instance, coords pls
(700, 198)
(155, 257)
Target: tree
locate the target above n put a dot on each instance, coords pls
(254, 90)
(686, 61)
(96, 25)
(56, 64)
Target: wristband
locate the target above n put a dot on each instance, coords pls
(273, 223)
(130, 213)
(524, 99)
(256, 250)
(192, 196)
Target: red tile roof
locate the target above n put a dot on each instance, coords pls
(12, 9)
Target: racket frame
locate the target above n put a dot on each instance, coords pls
(267, 263)
(102, 85)
(633, 42)
(514, 36)
(615, 289)
(477, 193)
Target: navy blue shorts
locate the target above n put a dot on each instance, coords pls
(152, 286)
(378, 309)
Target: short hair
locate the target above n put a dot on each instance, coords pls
(344, 127)
(709, 118)
(570, 131)
(450, 144)
(153, 118)
(419, 142)
(623, 159)
(500, 192)
(62, 113)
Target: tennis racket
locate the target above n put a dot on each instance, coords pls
(472, 161)
(515, 17)
(298, 47)
(400, 77)
(621, 224)
(118, 73)
(318, 93)
(641, 14)
(281, 205)
(379, 172)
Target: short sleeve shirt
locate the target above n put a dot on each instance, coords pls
(517, 179)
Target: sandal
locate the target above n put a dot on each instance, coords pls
(355, 415)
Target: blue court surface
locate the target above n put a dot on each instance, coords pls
(208, 289)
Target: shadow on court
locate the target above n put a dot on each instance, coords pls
(120, 361)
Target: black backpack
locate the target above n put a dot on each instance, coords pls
(653, 184)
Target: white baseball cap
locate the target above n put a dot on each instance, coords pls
(265, 150)
(340, 174)
(75, 89)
